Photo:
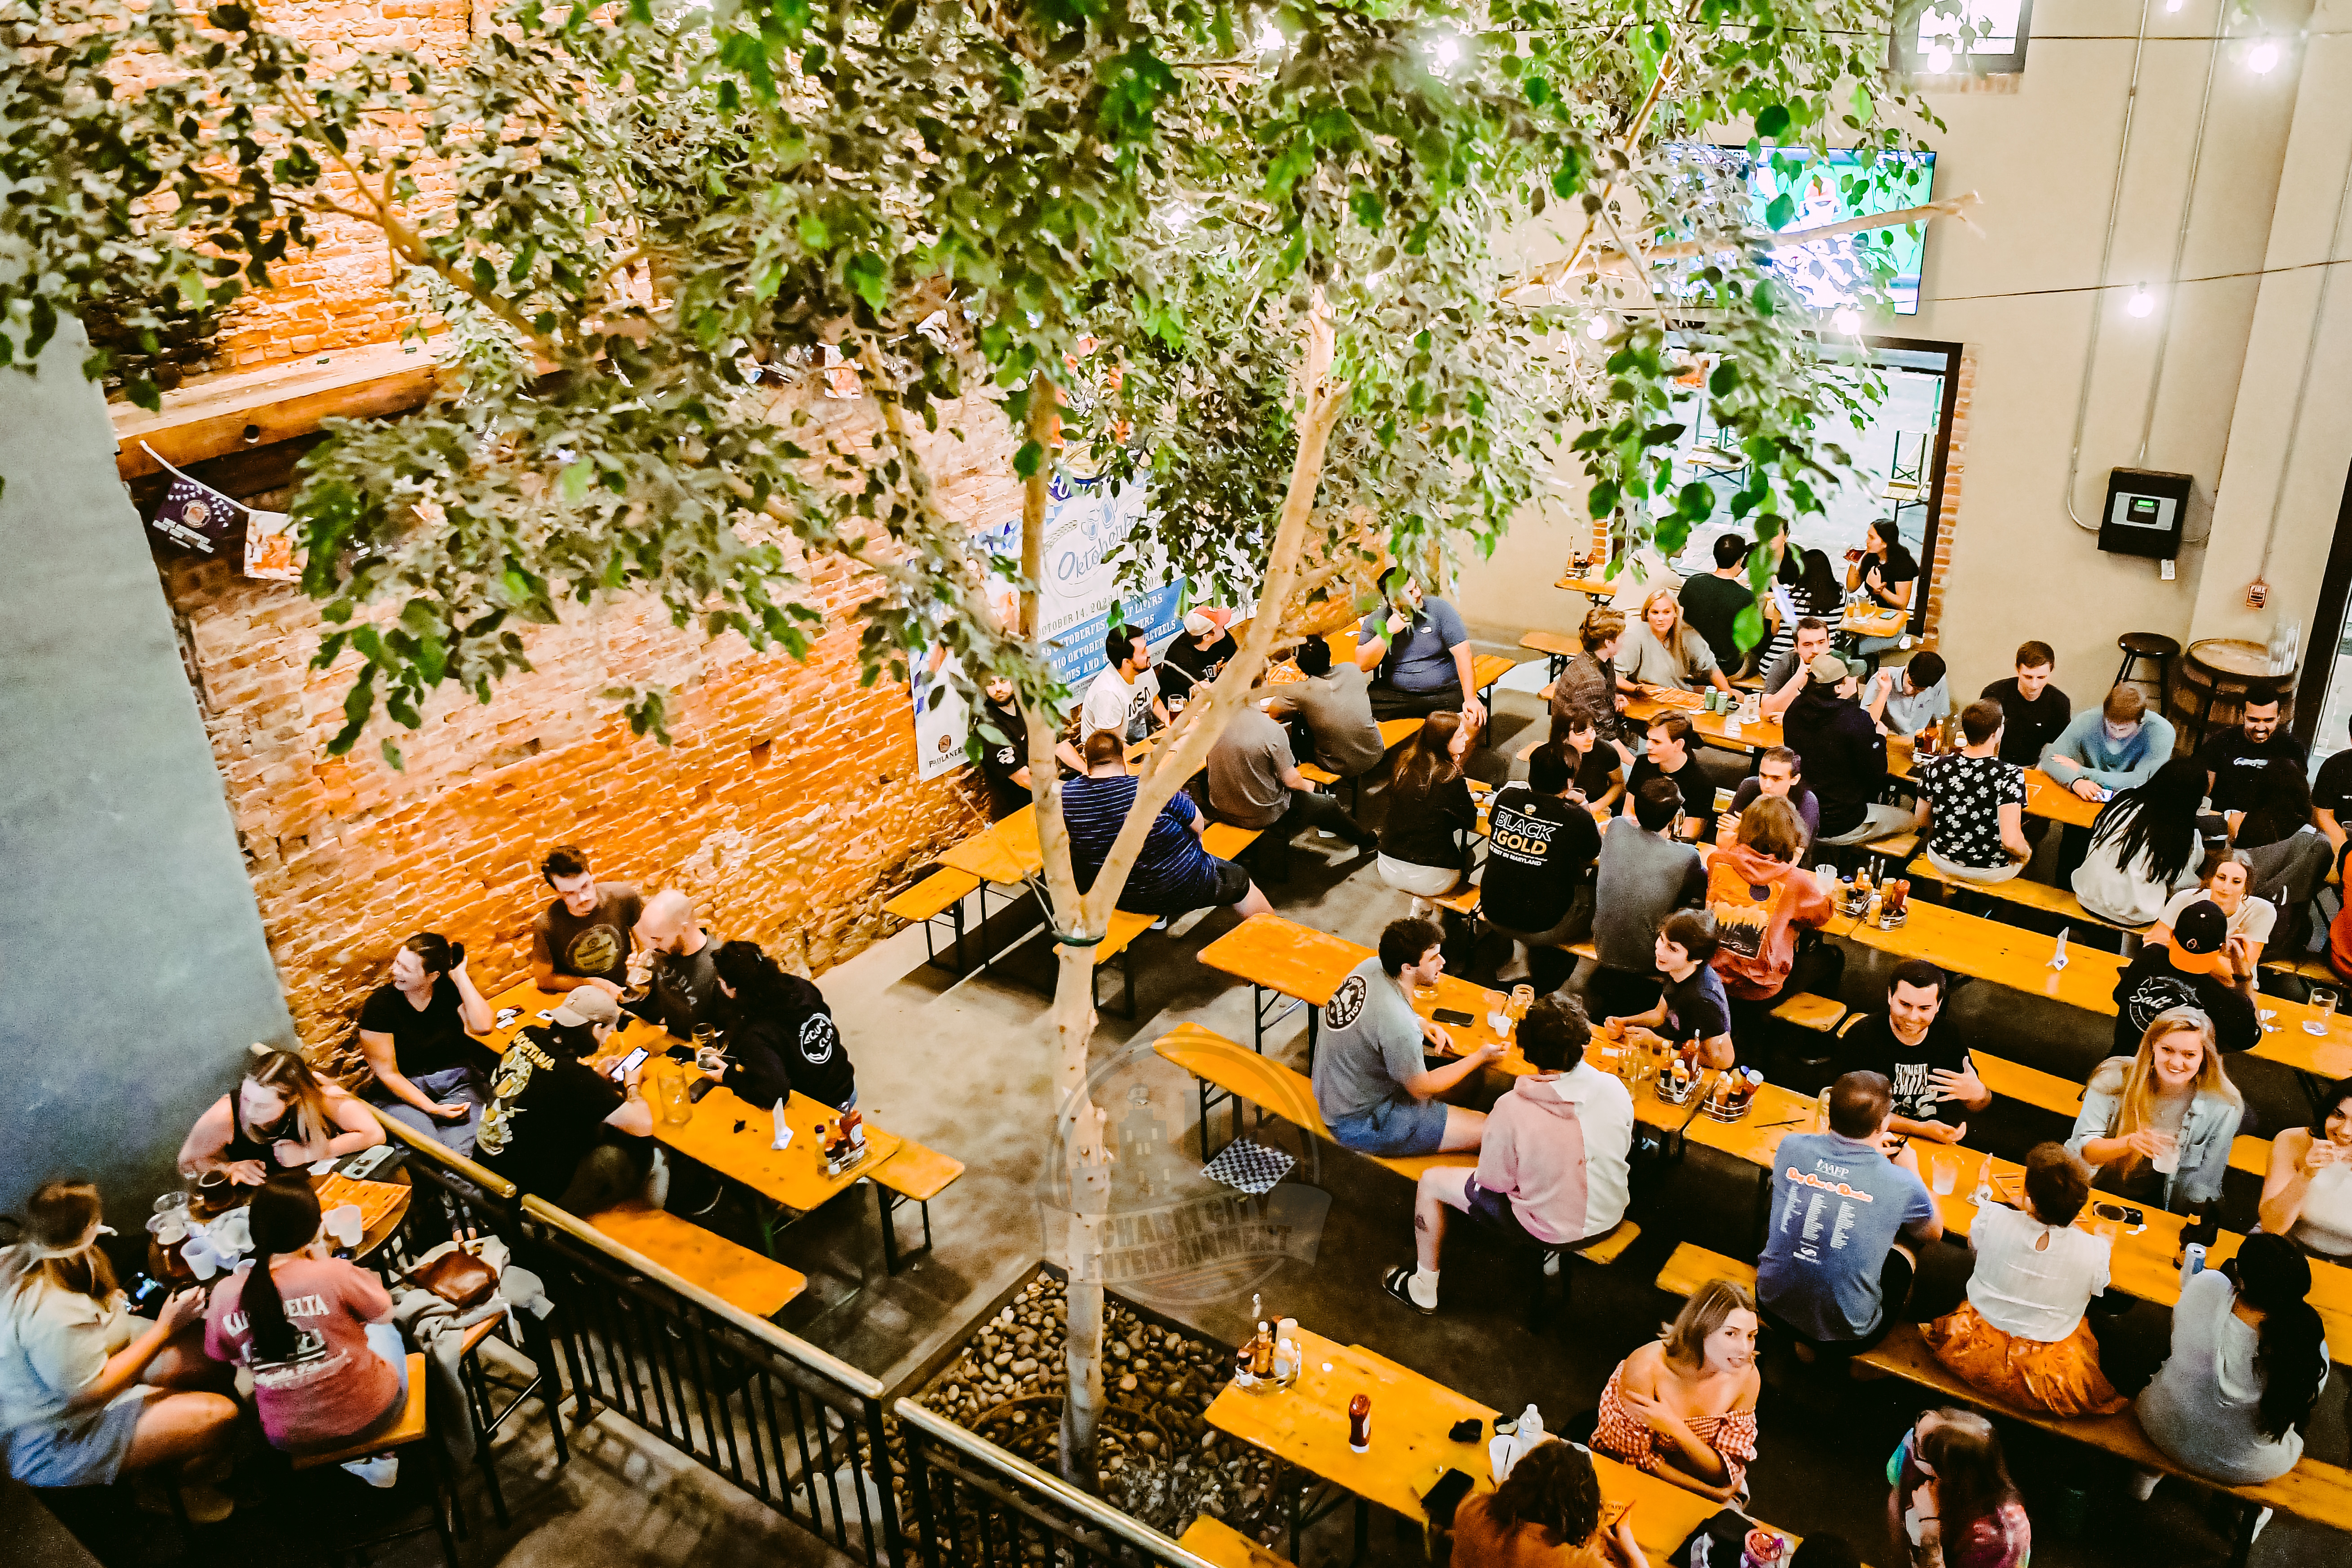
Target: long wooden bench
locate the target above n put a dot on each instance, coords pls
(736, 1275)
(2064, 1097)
(1213, 1540)
(2022, 891)
(1558, 649)
(914, 1174)
(941, 893)
(2312, 1490)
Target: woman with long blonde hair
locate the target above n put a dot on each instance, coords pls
(2156, 1125)
(1663, 650)
(1422, 849)
(280, 1117)
(1684, 1406)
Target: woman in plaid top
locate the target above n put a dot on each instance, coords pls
(1685, 1407)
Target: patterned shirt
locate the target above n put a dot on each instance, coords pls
(1966, 793)
(1627, 1437)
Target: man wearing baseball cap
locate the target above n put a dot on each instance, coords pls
(1844, 754)
(559, 1129)
(2201, 967)
(1195, 658)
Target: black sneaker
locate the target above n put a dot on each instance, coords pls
(1394, 1282)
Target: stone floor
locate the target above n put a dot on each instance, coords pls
(960, 1065)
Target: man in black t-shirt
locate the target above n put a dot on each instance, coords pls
(1539, 877)
(1667, 753)
(2233, 760)
(2331, 799)
(1926, 1066)
(1004, 750)
(560, 1130)
(1712, 601)
(2199, 968)
(2034, 712)
(1195, 658)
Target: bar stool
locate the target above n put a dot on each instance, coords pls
(2139, 647)
(413, 1431)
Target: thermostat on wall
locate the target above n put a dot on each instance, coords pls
(2145, 513)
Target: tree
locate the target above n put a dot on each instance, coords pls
(1254, 258)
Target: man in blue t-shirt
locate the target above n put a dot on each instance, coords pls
(1421, 651)
(1834, 1272)
(1172, 873)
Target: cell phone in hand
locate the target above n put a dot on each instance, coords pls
(1448, 1016)
(628, 1064)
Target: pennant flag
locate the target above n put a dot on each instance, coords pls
(194, 515)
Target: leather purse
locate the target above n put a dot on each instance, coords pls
(458, 1277)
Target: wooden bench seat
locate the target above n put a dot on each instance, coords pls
(941, 893)
(2022, 891)
(737, 1275)
(1485, 668)
(2307, 966)
(2312, 1490)
(1395, 732)
(1213, 1540)
(1558, 649)
(914, 1175)
(1227, 842)
(1325, 778)
(1126, 925)
(1822, 1014)
(2064, 1097)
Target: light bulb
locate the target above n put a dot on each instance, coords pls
(2262, 57)
(1597, 329)
(2172, 5)
(1270, 40)
(1940, 60)
(2142, 303)
(1445, 51)
(1848, 321)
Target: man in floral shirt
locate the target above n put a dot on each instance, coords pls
(1972, 804)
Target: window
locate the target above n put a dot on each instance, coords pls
(1979, 37)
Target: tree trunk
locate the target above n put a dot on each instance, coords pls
(1080, 922)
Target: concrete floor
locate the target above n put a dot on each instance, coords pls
(960, 1065)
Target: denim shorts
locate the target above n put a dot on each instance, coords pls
(1394, 1128)
(81, 1448)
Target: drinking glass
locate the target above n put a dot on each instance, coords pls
(1826, 874)
(2323, 1008)
(1523, 997)
(1722, 800)
(1946, 1174)
(1426, 995)
(2167, 1154)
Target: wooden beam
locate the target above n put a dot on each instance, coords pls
(252, 408)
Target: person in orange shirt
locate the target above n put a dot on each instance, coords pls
(1546, 1514)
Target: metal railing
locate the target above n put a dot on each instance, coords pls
(974, 1505)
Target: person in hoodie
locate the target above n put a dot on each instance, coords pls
(1552, 1165)
(1763, 900)
(780, 1034)
(1844, 755)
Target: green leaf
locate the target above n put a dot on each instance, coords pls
(1772, 123)
(392, 757)
(1779, 211)
(576, 480)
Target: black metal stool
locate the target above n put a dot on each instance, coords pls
(2139, 647)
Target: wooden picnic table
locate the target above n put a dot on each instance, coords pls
(1594, 588)
(1005, 852)
(1882, 623)
(2019, 960)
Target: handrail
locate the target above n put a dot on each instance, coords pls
(851, 1379)
(440, 1153)
(1093, 1510)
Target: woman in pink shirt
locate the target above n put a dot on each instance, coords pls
(315, 1331)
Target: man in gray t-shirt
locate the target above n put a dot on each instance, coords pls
(1645, 876)
(1376, 1093)
(1337, 704)
(1255, 782)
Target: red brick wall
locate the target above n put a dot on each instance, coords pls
(788, 807)
(1948, 516)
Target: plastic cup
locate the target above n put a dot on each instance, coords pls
(2167, 1157)
(1946, 1174)
(2323, 1008)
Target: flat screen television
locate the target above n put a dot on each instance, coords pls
(1824, 189)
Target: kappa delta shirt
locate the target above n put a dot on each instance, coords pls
(1837, 1207)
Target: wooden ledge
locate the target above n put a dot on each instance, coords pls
(211, 418)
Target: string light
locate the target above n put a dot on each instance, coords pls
(1270, 40)
(1445, 51)
(1847, 320)
(1940, 60)
(2262, 57)
(1597, 329)
(2142, 303)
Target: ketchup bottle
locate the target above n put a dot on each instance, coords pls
(1359, 1423)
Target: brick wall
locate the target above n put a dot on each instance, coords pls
(789, 806)
(1948, 515)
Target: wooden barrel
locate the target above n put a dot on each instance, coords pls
(2209, 685)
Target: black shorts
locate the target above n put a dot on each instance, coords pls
(1894, 1278)
(1495, 1211)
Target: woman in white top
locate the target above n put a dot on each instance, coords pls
(2249, 1357)
(2021, 1335)
(1663, 649)
(2230, 890)
(2308, 1195)
(2145, 846)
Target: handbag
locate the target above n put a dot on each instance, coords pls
(458, 1277)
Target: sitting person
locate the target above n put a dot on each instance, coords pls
(329, 1367)
(2286, 853)
(1589, 680)
(2200, 967)
(2234, 758)
(2249, 1356)
(413, 1033)
(90, 1393)
(1684, 1406)
(781, 1034)
(1552, 1163)
(1662, 650)
(1843, 756)
(1786, 678)
(560, 1130)
(1951, 1503)
(1667, 753)
(1910, 699)
(1711, 602)
(1334, 703)
(2118, 745)
(1596, 768)
(678, 959)
(2145, 848)
(2158, 1124)
(1692, 1014)
(1422, 651)
(582, 938)
(1919, 1050)
(280, 1117)
(1005, 750)
(1971, 805)
(1779, 774)
(2021, 1335)
(1376, 1093)
(1764, 901)
(1537, 888)
(1843, 1300)
(2307, 1196)
(1645, 874)
(1545, 1514)
(1172, 874)
(1124, 696)
(1886, 575)
(1196, 658)
(2033, 713)
(1255, 782)
(1424, 838)
(2227, 887)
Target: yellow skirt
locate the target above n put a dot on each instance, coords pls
(2061, 1377)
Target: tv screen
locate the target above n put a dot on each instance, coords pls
(1825, 189)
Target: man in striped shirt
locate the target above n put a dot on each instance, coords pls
(1172, 873)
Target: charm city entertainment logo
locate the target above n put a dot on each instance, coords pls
(1171, 1234)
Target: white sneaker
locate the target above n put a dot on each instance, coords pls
(1551, 1263)
(1421, 908)
(378, 1470)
